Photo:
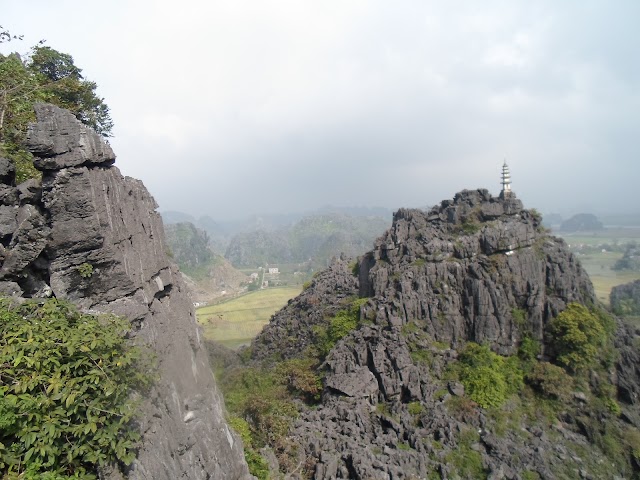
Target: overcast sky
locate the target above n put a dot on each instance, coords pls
(229, 108)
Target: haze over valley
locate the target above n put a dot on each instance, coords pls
(319, 240)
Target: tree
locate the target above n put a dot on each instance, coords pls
(64, 86)
(66, 384)
(45, 75)
(577, 337)
(6, 36)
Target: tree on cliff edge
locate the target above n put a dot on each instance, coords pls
(44, 75)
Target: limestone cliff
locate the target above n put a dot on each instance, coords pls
(92, 236)
(473, 269)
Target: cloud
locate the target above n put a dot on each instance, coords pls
(228, 108)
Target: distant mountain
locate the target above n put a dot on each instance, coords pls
(582, 222)
(172, 216)
(253, 249)
(211, 273)
(315, 239)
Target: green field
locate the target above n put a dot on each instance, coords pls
(236, 322)
(598, 264)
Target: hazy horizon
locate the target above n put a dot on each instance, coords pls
(267, 107)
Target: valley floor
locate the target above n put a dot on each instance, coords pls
(236, 322)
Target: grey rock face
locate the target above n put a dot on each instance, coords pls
(87, 214)
(475, 268)
(465, 271)
(58, 140)
(7, 171)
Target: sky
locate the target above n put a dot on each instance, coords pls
(240, 107)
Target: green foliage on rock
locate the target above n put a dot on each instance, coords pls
(258, 466)
(45, 75)
(265, 397)
(577, 337)
(338, 327)
(488, 378)
(85, 270)
(263, 402)
(65, 391)
(550, 380)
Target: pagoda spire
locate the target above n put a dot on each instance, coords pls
(506, 182)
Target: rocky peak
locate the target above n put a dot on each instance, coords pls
(476, 268)
(466, 265)
(92, 236)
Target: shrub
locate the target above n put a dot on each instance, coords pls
(85, 270)
(528, 353)
(577, 336)
(466, 461)
(519, 317)
(487, 377)
(259, 397)
(414, 408)
(550, 380)
(354, 267)
(300, 378)
(339, 326)
(258, 466)
(65, 396)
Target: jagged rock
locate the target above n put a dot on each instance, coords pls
(59, 140)
(29, 191)
(475, 268)
(8, 220)
(94, 237)
(628, 365)
(8, 195)
(27, 243)
(7, 171)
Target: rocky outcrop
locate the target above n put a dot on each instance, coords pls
(625, 299)
(475, 268)
(93, 237)
(467, 266)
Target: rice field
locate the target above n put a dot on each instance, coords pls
(237, 321)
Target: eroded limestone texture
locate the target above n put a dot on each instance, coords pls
(87, 213)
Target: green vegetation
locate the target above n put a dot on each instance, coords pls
(468, 227)
(85, 270)
(236, 322)
(44, 75)
(578, 337)
(354, 268)
(65, 391)
(519, 317)
(550, 381)
(262, 405)
(190, 249)
(338, 327)
(258, 466)
(599, 252)
(415, 408)
(466, 461)
(488, 378)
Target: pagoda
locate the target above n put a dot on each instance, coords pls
(506, 183)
